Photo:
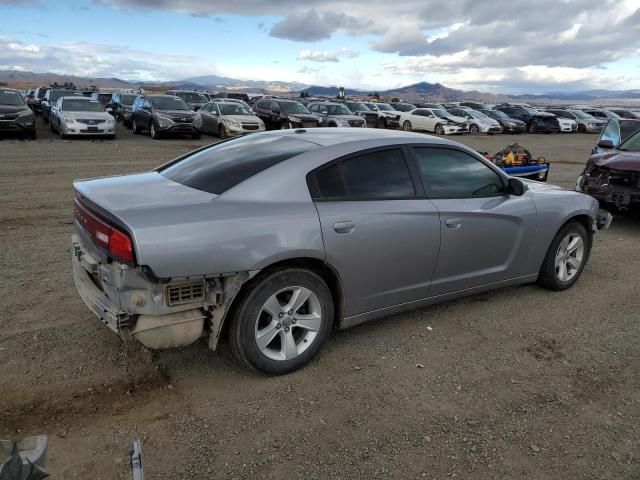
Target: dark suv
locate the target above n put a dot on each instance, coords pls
(51, 97)
(536, 121)
(162, 114)
(38, 95)
(103, 98)
(278, 113)
(359, 108)
(195, 100)
(15, 114)
(121, 104)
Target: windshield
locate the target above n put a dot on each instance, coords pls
(531, 111)
(192, 97)
(385, 107)
(338, 110)
(10, 97)
(357, 107)
(476, 114)
(128, 99)
(292, 107)
(56, 94)
(73, 105)
(497, 114)
(580, 114)
(233, 109)
(440, 113)
(169, 103)
(632, 144)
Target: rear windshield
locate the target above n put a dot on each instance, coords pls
(192, 97)
(225, 165)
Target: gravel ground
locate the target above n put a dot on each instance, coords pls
(518, 383)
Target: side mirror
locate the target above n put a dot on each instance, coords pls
(605, 144)
(517, 187)
(276, 111)
(109, 110)
(213, 112)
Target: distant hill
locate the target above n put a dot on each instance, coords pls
(414, 92)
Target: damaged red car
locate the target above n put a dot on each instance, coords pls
(612, 174)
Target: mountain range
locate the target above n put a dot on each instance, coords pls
(414, 92)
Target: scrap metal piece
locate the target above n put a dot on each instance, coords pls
(135, 460)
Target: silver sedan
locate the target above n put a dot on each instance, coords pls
(81, 116)
(277, 238)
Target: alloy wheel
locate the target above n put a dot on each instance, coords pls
(569, 257)
(288, 323)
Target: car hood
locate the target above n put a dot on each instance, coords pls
(486, 121)
(536, 186)
(346, 117)
(12, 108)
(544, 114)
(514, 121)
(88, 115)
(242, 118)
(456, 119)
(302, 116)
(177, 113)
(618, 160)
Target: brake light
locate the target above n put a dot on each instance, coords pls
(105, 236)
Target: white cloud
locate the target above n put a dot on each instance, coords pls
(318, 56)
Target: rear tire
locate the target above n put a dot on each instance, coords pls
(196, 136)
(565, 260)
(262, 314)
(582, 129)
(406, 126)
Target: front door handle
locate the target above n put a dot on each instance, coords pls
(454, 223)
(344, 227)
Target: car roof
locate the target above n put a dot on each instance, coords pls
(334, 136)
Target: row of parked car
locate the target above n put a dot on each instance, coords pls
(73, 112)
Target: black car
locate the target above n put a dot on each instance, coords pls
(277, 114)
(103, 98)
(121, 104)
(475, 105)
(536, 121)
(163, 114)
(403, 107)
(51, 97)
(15, 115)
(508, 124)
(359, 108)
(195, 100)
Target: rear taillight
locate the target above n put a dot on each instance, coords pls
(111, 239)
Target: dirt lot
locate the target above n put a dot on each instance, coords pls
(519, 383)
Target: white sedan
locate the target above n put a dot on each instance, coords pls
(433, 120)
(567, 125)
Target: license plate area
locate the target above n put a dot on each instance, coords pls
(619, 198)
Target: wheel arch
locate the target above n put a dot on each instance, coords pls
(318, 266)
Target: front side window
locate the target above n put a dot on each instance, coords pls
(454, 174)
(611, 132)
(225, 165)
(377, 175)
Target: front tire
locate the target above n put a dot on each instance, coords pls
(533, 127)
(566, 257)
(282, 321)
(439, 130)
(134, 127)
(155, 134)
(474, 129)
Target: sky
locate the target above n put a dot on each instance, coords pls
(499, 46)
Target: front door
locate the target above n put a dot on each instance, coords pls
(487, 234)
(378, 234)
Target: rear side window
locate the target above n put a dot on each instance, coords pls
(454, 174)
(377, 175)
(225, 165)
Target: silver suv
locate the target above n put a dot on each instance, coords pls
(336, 115)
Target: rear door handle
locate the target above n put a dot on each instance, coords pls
(344, 227)
(454, 223)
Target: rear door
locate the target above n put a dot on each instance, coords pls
(379, 231)
(487, 234)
